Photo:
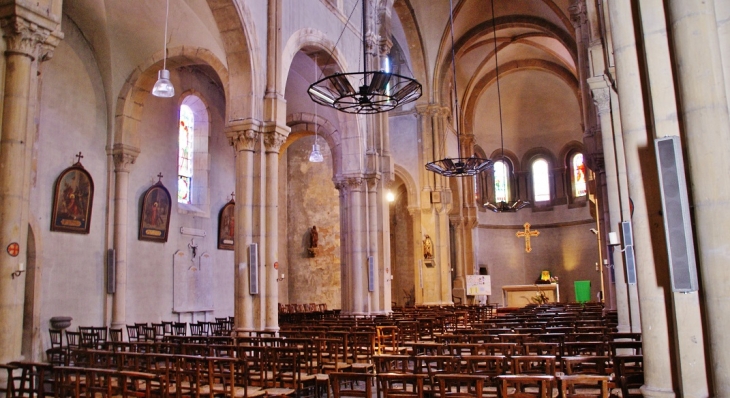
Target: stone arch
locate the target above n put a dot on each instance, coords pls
(485, 28)
(303, 123)
(247, 80)
(568, 149)
(411, 187)
(476, 88)
(136, 89)
(406, 15)
(310, 41)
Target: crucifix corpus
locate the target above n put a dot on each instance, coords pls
(527, 234)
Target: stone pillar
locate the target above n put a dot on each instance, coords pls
(688, 332)
(243, 137)
(374, 201)
(124, 157)
(459, 283)
(273, 141)
(657, 365)
(602, 99)
(23, 39)
(358, 253)
(707, 132)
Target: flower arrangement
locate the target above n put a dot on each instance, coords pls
(554, 279)
(540, 298)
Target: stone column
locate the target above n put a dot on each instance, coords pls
(374, 201)
(124, 157)
(273, 141)
(358, 253)
(602, 100)
(688, 331)
(657, 365)
(707, 132)
(23, 39)
(459, 283)
(243, 137)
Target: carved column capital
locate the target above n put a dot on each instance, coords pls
(602, 99)
(22, 36)
(349, 184)
(243, 136)
(273, 141)
(372, 183)
(578, 13)
(124, 157)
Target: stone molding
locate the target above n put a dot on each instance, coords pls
(349, 184)
(578, 13)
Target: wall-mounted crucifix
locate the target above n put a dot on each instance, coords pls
(527, 234)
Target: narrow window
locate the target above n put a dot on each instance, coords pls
(541, 180)
(579, 175)
(501, 181)
(185, 155)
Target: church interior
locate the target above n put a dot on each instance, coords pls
(521, 155)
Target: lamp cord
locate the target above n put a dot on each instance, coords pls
(331, 53)
(453, 72)
(496, 69)
(164, 57)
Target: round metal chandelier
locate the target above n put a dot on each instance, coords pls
(457, 167)
(377, 91)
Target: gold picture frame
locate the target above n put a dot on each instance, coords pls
(154, 217)
(73, 197)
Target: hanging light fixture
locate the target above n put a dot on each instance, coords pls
(377, 92)
(316, 155)
(163, 87)
(512, 205)
(457, 167)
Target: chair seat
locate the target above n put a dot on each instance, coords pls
(280, 391)
(251, 392)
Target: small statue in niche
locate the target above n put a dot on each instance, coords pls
(427, 248)
(313, 237)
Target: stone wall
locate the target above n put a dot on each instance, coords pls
(312, 200)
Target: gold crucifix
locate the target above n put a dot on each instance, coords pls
(527, 234)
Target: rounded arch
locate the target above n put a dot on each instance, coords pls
(535, 153)
(568, 150)
(304, 123)
(477, 87)
(136, 90)
(311, 41)
(410, 183)
(485, 30)
(406, 16)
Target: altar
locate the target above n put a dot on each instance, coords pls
(520, 295)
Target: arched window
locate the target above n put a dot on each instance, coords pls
(541, 180)
(193, 162)
(501, 181)
(186, 135)
(578, 174)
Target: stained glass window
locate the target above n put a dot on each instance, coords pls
(579, 175)
(501, 181)
(185, 155)
(541, 180)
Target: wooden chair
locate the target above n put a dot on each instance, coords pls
(180, 328)
(460, 385)
(514, 386)
(132, 333)
(533, 364)
(115, 335)
(56, 354)
(590, 386)
(29, 379)
(388, 340)
(630, 385)
(347, 384)
(362, 349)
(401, 385)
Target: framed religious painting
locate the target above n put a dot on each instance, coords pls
(227, 226)
(73, 197)
(154, 219)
